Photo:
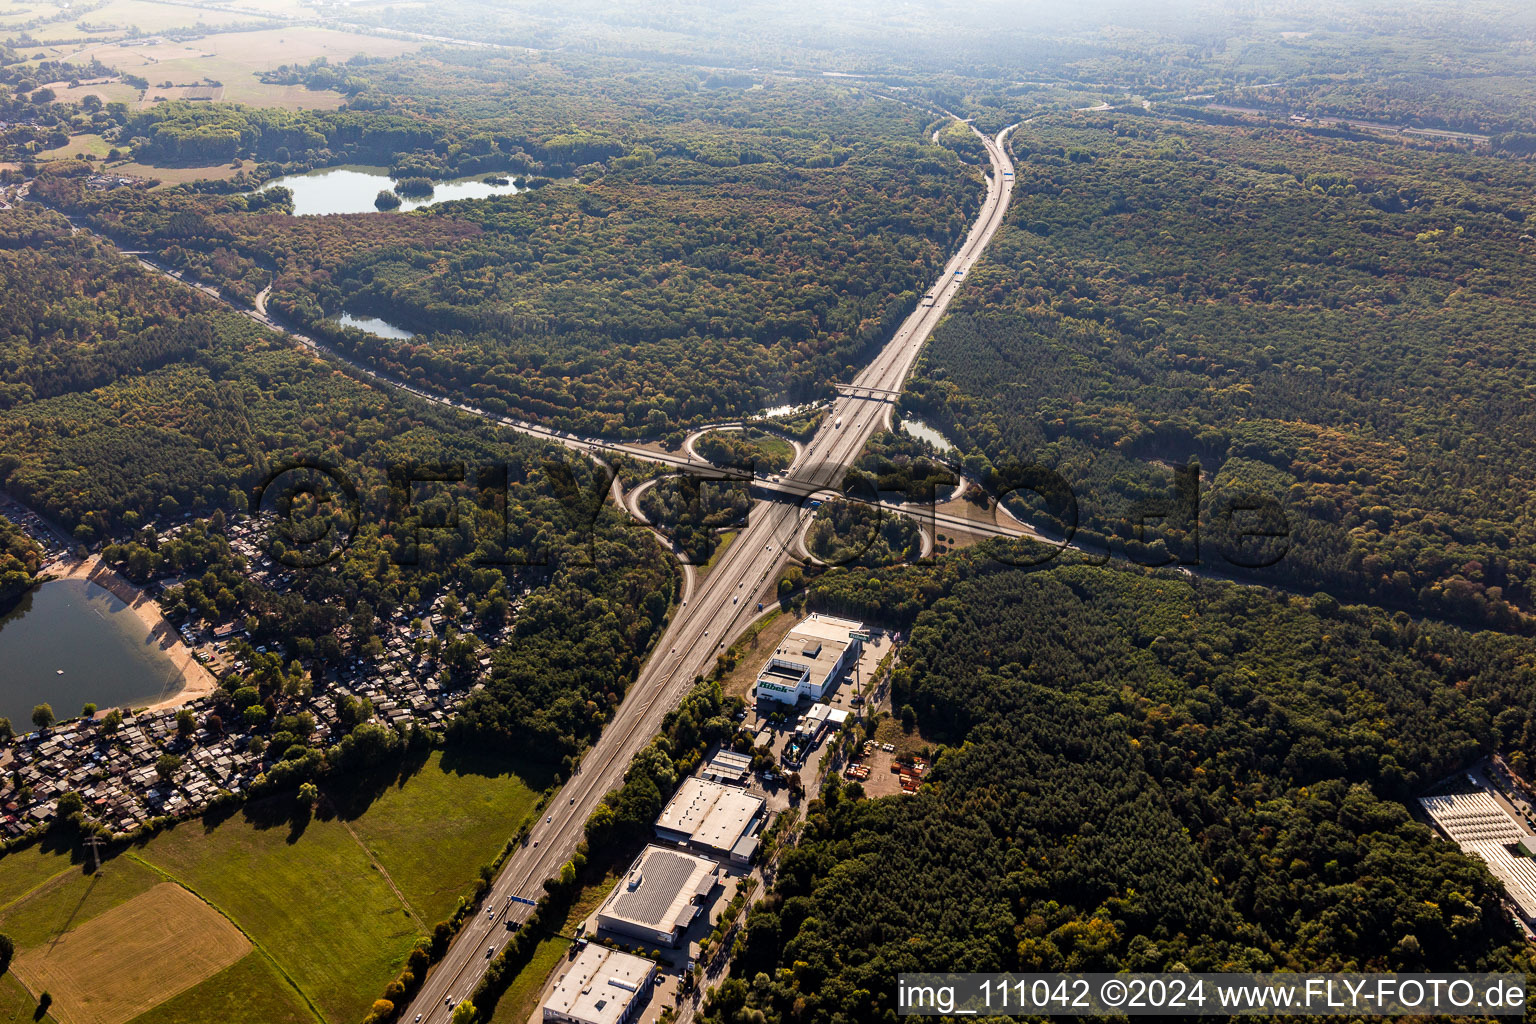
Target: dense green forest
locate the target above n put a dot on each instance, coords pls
(897, 466)
(722, 249)
(855, 533)
(1138, 773)
(20, 558)
(1331, 328)
(692, 510)
(138, 403)
(1204, 319)
(752, 449)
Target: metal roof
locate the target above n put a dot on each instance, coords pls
(660, 889)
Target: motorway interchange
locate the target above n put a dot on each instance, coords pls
(715, 612)
(723, 604)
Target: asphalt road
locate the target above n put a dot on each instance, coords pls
(713, 611)
(720, 607)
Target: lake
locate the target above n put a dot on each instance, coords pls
(374, 326)
(923, 432)
(353, 189)
(105, 653)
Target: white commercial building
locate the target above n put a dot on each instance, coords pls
(822, 718)
(601, 986)
(709, 816)
(810, 658)
(659, 898)
(1480, 825)
(728, 767)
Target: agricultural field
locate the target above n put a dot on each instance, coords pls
(79, 145)
(68, 897)
(168, 176)
(133, 957)
(233, 60)
(17, 1004)
(332, 904)
(316, 904)
(473, 801)
(112, 21)
(21, 875)
(107, 89)
(367, 893)
(230, 996)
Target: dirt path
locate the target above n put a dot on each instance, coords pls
(384, 874)
(196, 681)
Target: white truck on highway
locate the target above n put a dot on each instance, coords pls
(838, 424)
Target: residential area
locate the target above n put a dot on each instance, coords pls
(121, 765)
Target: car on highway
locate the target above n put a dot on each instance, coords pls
(490, 951)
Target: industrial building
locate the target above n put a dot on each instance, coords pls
(728, 768)
(710, 817)
(820, 719)
(1479, 825)
(810, 659)
(601, 986)
(659, 898)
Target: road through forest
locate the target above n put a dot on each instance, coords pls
(713, 611)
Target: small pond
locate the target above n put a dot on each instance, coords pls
(923, 432)
(376, 327)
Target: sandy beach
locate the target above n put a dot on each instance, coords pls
(196, 681)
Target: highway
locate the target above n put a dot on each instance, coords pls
(712, 612)
(720, 607)
(819, 467)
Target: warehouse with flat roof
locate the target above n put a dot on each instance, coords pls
(710, 817)
(659, 898)
(601, 986)
(810, 659)
(1480, 825)
(728, 767)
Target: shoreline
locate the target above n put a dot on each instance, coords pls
(196, 681)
